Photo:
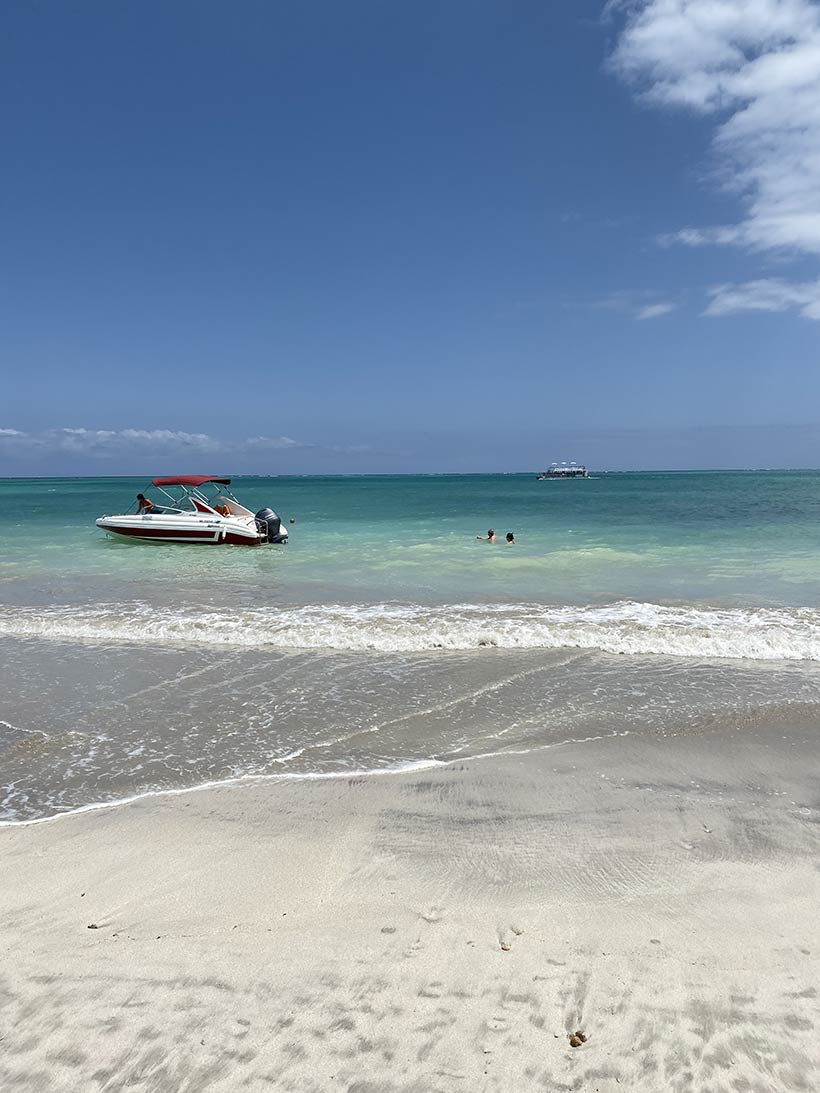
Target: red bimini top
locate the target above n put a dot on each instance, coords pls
(190, 480)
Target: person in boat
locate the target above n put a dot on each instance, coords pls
(489, 537)
(510, 539)
(145, 504)
(223, 510)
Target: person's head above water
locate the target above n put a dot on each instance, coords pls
(510, 537)
(490, 533)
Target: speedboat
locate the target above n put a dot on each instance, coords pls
(201, 510)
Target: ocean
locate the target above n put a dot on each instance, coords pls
(385, 635)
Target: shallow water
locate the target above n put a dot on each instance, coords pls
(386, 635)
(729, 538)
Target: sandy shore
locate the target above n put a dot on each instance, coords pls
(443, 930)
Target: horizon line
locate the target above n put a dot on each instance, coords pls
(426, 474)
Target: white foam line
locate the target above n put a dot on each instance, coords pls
(542, 747)
(21, 728)
(409, 767)
(622, 627)
(241, 779)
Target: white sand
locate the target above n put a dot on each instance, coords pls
(663, 895)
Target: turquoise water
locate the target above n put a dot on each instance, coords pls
(730, 539)
(385, 635)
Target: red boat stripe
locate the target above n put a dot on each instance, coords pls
(183, 536)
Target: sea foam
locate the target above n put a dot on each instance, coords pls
(772, 634)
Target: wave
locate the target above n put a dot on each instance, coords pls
(624, 627)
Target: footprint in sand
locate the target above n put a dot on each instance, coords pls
(432, 914)
(414, 949)
(505, 937)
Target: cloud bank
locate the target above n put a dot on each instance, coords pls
(102, 444)
(755, 65)
(106, 442)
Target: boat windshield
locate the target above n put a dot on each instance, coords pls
(184, 498)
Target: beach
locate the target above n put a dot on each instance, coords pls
(393, 809)
(444, 929)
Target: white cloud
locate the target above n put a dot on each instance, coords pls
(640, 304)
(769, 294)
(123, 443)
(102, 442)
(654, 311)
(702, 237)
(755, 64)
(272, 442)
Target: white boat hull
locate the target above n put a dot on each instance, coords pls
(209, 530)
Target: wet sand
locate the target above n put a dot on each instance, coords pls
(432, 931)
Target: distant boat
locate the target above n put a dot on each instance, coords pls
(564, 470)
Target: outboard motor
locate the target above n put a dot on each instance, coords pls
(270, 526)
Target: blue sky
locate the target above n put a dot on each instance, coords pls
(395, 237)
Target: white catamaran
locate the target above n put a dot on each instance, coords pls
(564, 470)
